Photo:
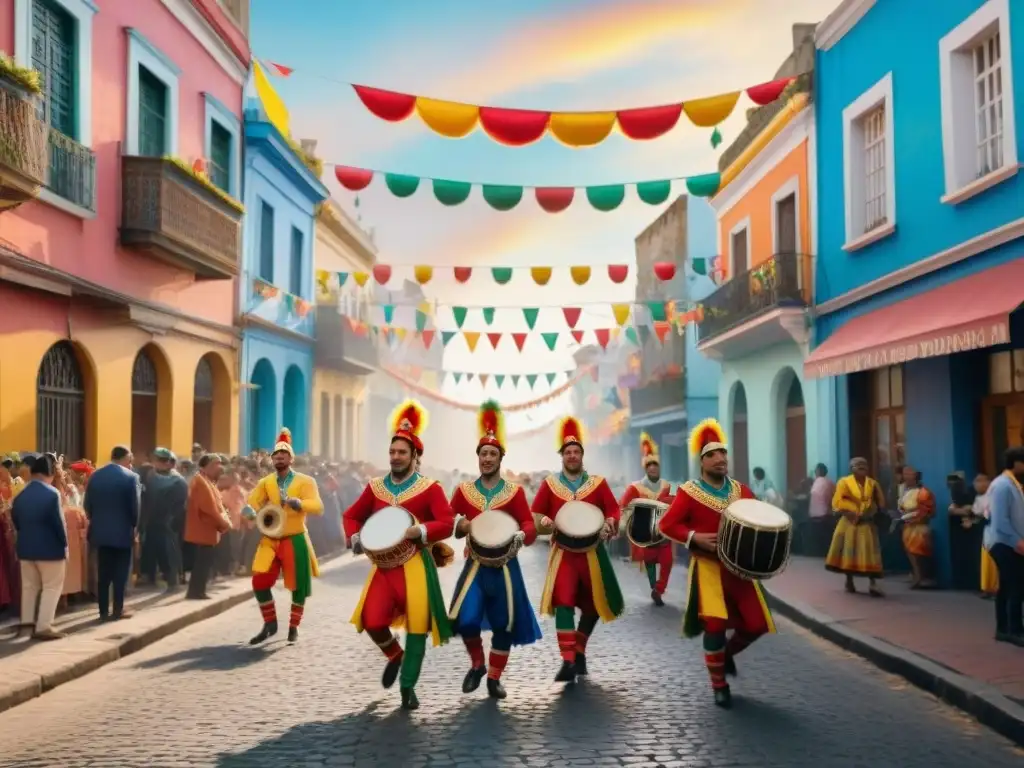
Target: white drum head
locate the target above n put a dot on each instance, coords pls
(579, 519)
(385, 528)
(493, 528)
(759, 514)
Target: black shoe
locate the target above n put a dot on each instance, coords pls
(581, 664)
(269, 630)
(723, 698)
(1017, 639)
(391, 670)
(495, 689)
(1002, 637)
(657, 598)
(567, 674)
(293, 634)
(730, 666)
(409, 700)
(472, 680)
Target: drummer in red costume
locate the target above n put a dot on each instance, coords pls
(409, 595)
(584, 580)
(489, 597)
(657, 560)
(717, 599)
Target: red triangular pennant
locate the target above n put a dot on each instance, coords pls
(519, 339)
(662, 328)
(572, 315)
(494, 338)
(603, 335)
(428, 338)
(578, 336)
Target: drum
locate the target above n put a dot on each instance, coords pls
(491, 538)
(578, 526)
(644, 515)
(754, 539)
(383, 537)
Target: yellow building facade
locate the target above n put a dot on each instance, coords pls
(340, 373)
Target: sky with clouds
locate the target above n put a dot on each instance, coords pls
(542, 54)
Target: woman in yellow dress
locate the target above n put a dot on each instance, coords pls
(980, 512)
(855, 549)
(917, 506)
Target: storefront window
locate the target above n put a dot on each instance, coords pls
(1006, 372)
(1003, 411)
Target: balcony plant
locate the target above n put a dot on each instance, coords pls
(204, 180)
(22, 78)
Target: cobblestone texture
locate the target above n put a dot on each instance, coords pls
(204, 698)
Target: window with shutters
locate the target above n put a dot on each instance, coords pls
(266, 266)
(54, 55)
(738, 245)
(295, 286)
(220, 156)
(152, 114)
(869, 172)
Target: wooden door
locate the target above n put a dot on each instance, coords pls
(785, 222)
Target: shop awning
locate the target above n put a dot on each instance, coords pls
(968, 314)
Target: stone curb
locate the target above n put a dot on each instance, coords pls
(55, 665)
(980, 700)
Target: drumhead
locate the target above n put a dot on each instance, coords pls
(759, 514)
(493, 528)
(657, 506)
(579, 519)
(385, 528)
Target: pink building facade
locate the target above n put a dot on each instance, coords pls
(118, 273)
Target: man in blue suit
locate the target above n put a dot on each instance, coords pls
(112, 500)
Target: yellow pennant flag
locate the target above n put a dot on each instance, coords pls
(360, 278)
(273, 104)
(423, 273)
(580, 275)
(540, 275)
(621, 312)
(472, 337)
(400, 333)
(426, 308)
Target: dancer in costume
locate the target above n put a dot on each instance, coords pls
(717, 600)
(584, 580)
(292, 554)
(656, 560)
(489, 597)
(408, 595)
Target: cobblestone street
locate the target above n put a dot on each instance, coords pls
(204, 698)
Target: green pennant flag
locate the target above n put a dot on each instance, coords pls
(502, 275)
(530, 315)
(488, 315)
(551, 339)
(515, 379)
(657, 309)
(645, 334)
(421, 321)
(457, 376)
(499, 379)
(389, 313)
(342, 277)
(551, 378)
(531, 379)
(289, 302)
(699, 266)
(460, 315)
(446, 336)
(631, 336)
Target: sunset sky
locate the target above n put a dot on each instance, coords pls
(544, 54)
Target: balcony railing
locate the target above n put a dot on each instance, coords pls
(660, 394)
(270, 305)
(170, 214)
(23, 151)
(781, 281)
(340, 348)
(72, 172)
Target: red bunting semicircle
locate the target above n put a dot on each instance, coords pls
(387, 105)
(766, 93)
(514, 127)
(649, 122)
(351, 178)
(554, 199)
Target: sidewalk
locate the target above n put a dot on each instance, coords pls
(30, 668)
(938, 640)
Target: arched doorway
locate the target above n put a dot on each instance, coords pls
(739, 445)
(795, 430)
(262, 406)
(294, 407)
(325, 425)
(145, 403)
(202, 404)
(60, 403)
(338, 429)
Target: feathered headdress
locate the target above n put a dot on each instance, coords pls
(706, 437)
(648, 450)
(491, 423)
(284, 442)
(408, 422)
(570, 432)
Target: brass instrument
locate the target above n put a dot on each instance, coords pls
(270, 521)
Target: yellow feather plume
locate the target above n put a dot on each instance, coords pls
(412, 412)
(491, 420)
(708, 431)
(569, 427)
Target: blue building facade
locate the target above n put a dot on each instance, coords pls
(277, 298)
(918, 344)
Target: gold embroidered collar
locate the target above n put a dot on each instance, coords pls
(695, 492)
(476, 499)
(646, 492)
(565, 494)
(379, 489)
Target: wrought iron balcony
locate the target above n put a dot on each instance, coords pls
(23, 151)
(340, 348)
(658, 395)
(72, 172)
(268, 305)
(169, 213)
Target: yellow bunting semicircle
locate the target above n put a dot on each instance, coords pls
(472, 337)
(709, 112)
(360, 278)
(580, 275)
(621, 313)
(540, 275)
(448, 118)
(423, 273)
(581, 129)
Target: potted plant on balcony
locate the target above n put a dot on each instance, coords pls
(23, 81)
(24, 153)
